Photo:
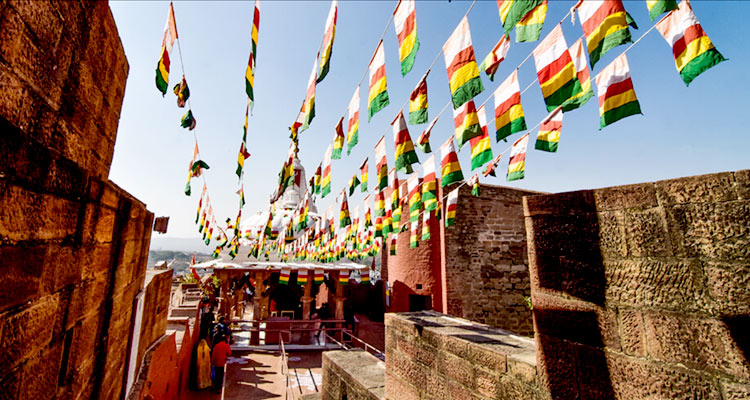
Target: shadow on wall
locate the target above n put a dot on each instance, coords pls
(569, 335)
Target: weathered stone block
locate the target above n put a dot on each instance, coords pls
(40, 374)
(742, 183)
(735, 390)
(728, 285)
(398, 389)
(711, 188)
(632, 333)
(639, 196)
(701, 344)
(612, 236)
(26, 331)
(647, 233)
(637, 379)
(719, 231)
(25, 215)
(20, 274)
(669, 284)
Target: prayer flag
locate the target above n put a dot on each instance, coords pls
(378, 96)
(466, 122)
(388, 220)
(307, 112)
(284, 276)
(188, 120)
(182, 92)
(393, 244)
(513, 11)
(490, 169)
(616, 95)
(316, 180)
(605, 25)
(338, 140)
(426, 224)
(405, 23)
(328, 36)
(344, 219)
(352, 133)
(659, 7)
(582, 73)
(414, 234)
(382, 164)
(379, 203)
(549, 132)
(692, 49)
(530, 27)
(449, 166)
(250, 71)
(302, 276)
(463, 72)
(343, 277)
(423, 143)
(363, 170)
(481, 151)
(415, 199)
(368, 213)
(393, 176)
(555, 70)
(241, 157)
(496, 56)
(474, 182)
(429, 184)
(162, 67)
(318, 277)
(517, 163)
(353, 182)
(509, 117)
(326, 179)
(418, 102)
(405, 154)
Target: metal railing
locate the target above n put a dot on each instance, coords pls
(288, 389)
(347, 344)
(290, 327)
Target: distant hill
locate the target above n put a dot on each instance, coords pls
(180, 244)
(180, 259)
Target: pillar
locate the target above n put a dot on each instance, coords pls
(339, 310)
(306, 300)
(257, 300)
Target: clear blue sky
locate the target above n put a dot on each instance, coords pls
(684, 131)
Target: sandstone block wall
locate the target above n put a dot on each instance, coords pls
(73, 245)
(432, 356)
(62, 77)
(352, 375)
(157, 289)
(641, 291)
(485, 266)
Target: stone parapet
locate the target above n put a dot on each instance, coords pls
(433, 356)
(641, 291)
(352, 375)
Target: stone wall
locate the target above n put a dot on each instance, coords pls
(157, 289)
(432, 356)
(73, 245)
(485, 266)
(352, 375)
(641, 291)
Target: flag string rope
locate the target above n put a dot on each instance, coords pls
(492, 121)
(195, 136)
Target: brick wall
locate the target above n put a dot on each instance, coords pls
(641, 291)
(73, 245)
(432, 356)
(485, 266)
(352, 375)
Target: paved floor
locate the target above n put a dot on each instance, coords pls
(252, 375)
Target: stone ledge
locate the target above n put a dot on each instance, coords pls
(359, 371)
